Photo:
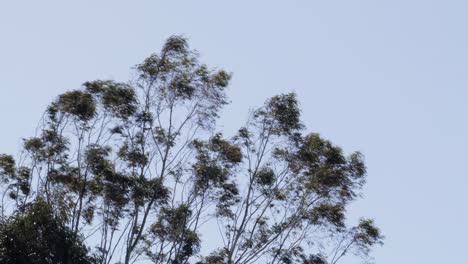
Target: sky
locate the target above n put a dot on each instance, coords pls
(387, 78)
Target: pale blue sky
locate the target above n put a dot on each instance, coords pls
(388, 78)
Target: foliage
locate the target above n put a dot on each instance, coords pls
(36, 235)
(139, 169)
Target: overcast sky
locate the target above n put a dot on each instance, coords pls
(387, 78)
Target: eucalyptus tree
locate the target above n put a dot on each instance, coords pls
(138, 168)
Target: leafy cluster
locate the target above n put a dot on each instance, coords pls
(36, 235)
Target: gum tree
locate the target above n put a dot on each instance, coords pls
(137, 169)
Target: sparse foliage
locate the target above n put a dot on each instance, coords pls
(138, 169)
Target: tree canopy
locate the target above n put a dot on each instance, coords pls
(132, 172)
